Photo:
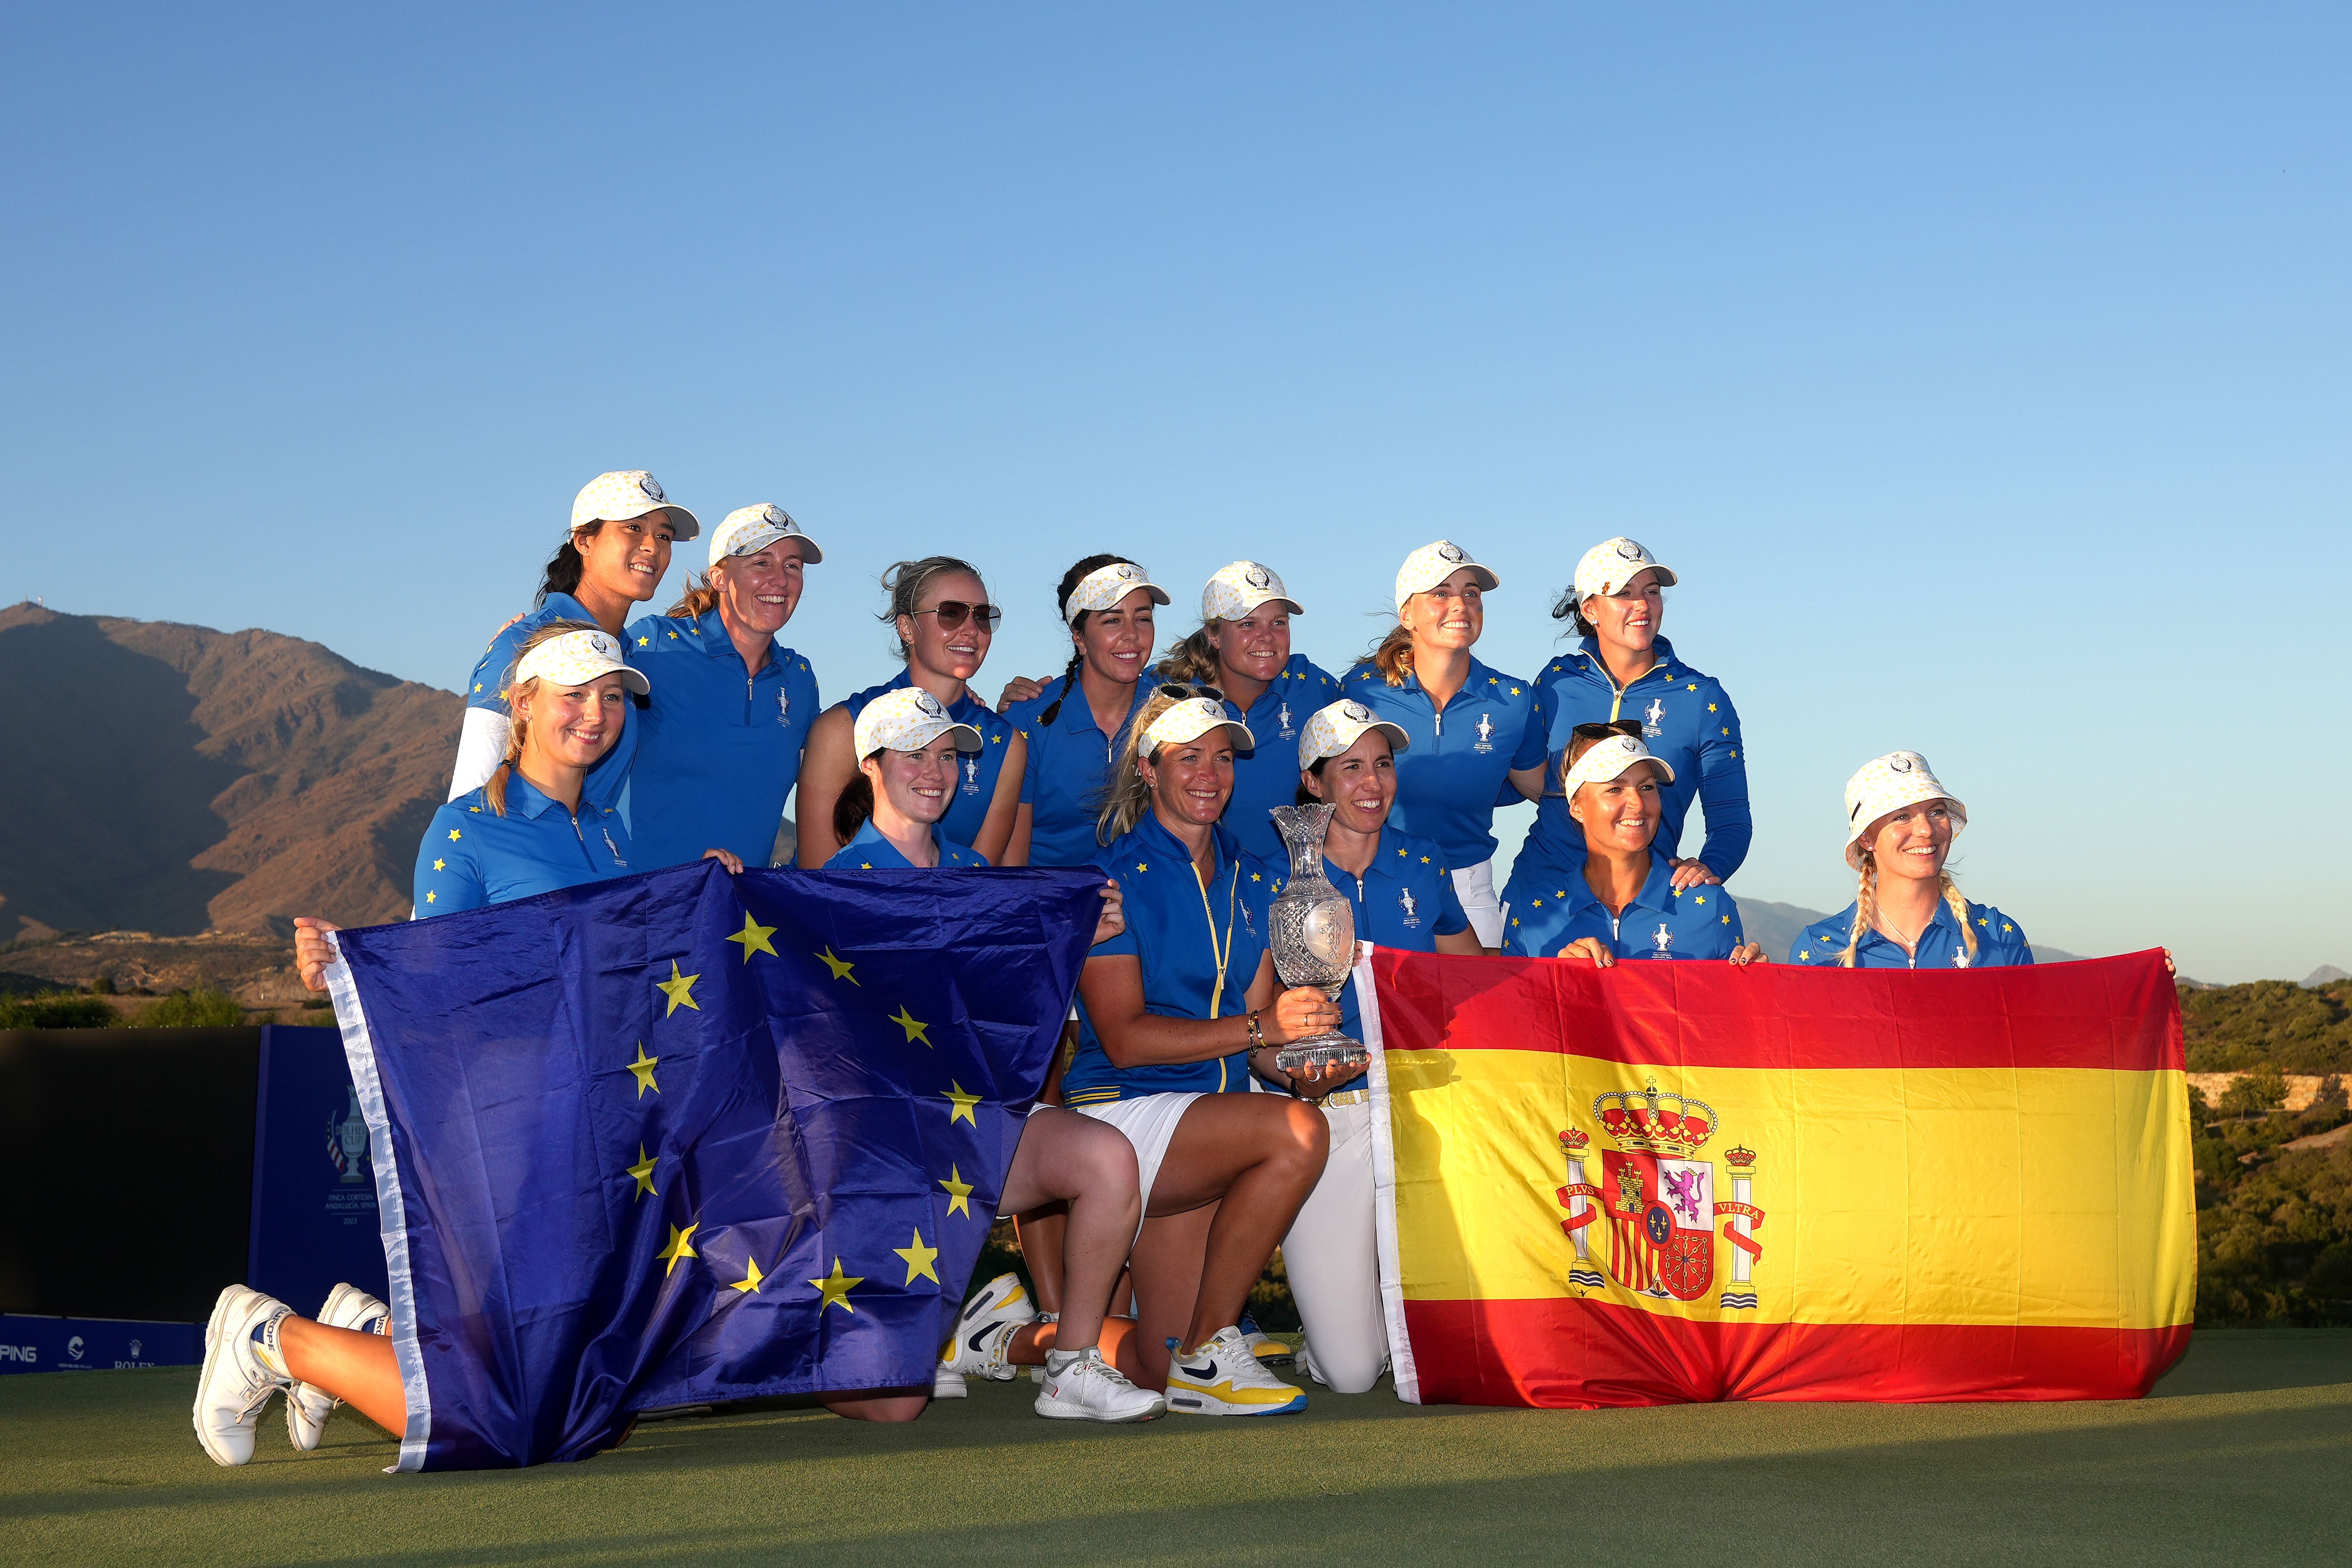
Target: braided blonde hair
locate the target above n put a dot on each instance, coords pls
(1128, 799)
(1865, 910)
(494, 789)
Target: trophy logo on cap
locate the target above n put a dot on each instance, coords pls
(1450, 551)
(1899, 763)
(1357, 712)
(652, 487)
(1629, 551)
(1259, 577)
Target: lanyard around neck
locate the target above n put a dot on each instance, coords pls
(1225, 956)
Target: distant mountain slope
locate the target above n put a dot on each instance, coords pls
(173, 779)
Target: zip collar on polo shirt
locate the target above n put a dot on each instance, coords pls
(1163, 842)
(1470, 682)
(1386, 854)
(1594, 667)
(1077, 714)
(708, 632)
(527, 799)
(1656, 895)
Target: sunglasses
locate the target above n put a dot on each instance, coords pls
(1183, 692)
(1607, 727)
(952, 612)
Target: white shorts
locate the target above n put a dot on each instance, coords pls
(1149, 1122)
(1475, 886)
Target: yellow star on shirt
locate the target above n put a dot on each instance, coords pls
(912, 1025)
(919, 1260)
(958, 1192)
(835, 1289)
(680, 1248)
(1727, 920)
(455, 835)
(1141, 866)
(643, 1068)
(1255, 877)
(439, 864)
(432, 898)
(840, 967)
(679, 989)
(749, 1283)
(963, 1101)
(1710, 707)
(644, 1171)
(1702, 898)
(1806, 956)
(754, 938)
(642, 642)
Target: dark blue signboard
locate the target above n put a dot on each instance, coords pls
(314, 1219)
(95, 1344)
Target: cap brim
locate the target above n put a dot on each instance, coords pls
(635, 679)
(1285, 599)
(1243, 740)
(809, 554)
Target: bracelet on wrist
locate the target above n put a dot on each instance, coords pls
(1257, 1034)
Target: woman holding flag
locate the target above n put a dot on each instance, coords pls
(909, 750)
(1622, 902)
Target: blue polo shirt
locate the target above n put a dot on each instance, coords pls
(486, 688)
(1405, 899)
(1458, 762)
(1688, 721)
(1267, 776)
(2000, 943)
(869, 850)
(1069, 770)
(471, 856)
(976, 789)
(1170, 921)
(1662, 922)
(719, 748)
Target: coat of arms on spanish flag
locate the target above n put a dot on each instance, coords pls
(1781, 1183)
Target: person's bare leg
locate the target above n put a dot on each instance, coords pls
(1166, 1269)
(1091, 1164)
(1256, 1156)
(1044, 1233)
(357, 1368)
(877, 1404)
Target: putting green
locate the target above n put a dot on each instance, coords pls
(2244, 1455)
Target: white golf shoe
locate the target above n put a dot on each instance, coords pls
(1222, 1379)
(308, 1405)
(1089, 1389)
(242, 1367)
(984, 1332)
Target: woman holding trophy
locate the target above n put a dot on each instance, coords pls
(1174, 1014)
(1401, 894)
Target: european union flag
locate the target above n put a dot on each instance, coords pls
(686, 1136)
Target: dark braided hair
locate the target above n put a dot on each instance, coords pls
(1070, 581)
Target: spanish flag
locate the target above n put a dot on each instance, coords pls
(1673, 1182)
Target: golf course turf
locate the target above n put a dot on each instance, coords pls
(2243, 1456)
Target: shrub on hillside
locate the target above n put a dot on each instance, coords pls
(2289, 1027)
(55, 1009)
(205, 1009)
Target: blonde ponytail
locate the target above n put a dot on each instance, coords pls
(1128, 799)
(1394, 655)
(700, 598)
(1191, 660)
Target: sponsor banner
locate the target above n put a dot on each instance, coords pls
(314, 1201)
(95, 1344)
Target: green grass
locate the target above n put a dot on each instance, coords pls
(2243, 1456)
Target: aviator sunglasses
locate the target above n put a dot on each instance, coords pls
(952, 612)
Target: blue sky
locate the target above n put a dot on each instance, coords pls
(1986, 373)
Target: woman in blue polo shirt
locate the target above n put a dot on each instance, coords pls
(1907, 913)
(1624, 670)
(1404, 899)
(718, 748)
(612, 560)
(1079, 723)
(1174, 1015)
(945, 623)
(1621, 902)
(1475, 737)
(1242, 648)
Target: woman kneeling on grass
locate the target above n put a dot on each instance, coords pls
(1174, 1014)
(910, 751)
(1623, 904)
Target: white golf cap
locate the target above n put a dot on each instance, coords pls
(1887, 784)
(576, 658)
(627, 492)
(747, 530)
(1190, 719)
(1238, 589)
(1605, 759)
(1432, 564)
(1106, 586)
(1332, 729)
(908, 719)
(1612, 564)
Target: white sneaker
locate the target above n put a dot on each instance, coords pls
(242, 1369)
(1270, 1351)
(984, 1332)
(1091, 1389)
(1222, 1379)
(948, 1384)
(308, 1405)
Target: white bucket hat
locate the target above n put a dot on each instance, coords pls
(627, 492)
(1238, 589)
(1432, 564)
(1332, 729)
(576, 658)
(1190, 719)
(1887, 784)
(747, 530)
(908, 719)
(1612, 564)
(1605, 759)
(1106, 586)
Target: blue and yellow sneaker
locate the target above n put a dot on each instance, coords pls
(1270, 1351)
(1223, 1378)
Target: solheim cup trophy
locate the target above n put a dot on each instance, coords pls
(1312, 927)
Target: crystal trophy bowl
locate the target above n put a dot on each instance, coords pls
(1312, 929)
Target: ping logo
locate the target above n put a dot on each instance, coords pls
(19, 1352)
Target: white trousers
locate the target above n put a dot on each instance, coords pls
(1475, 886)
(1334, 1262)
